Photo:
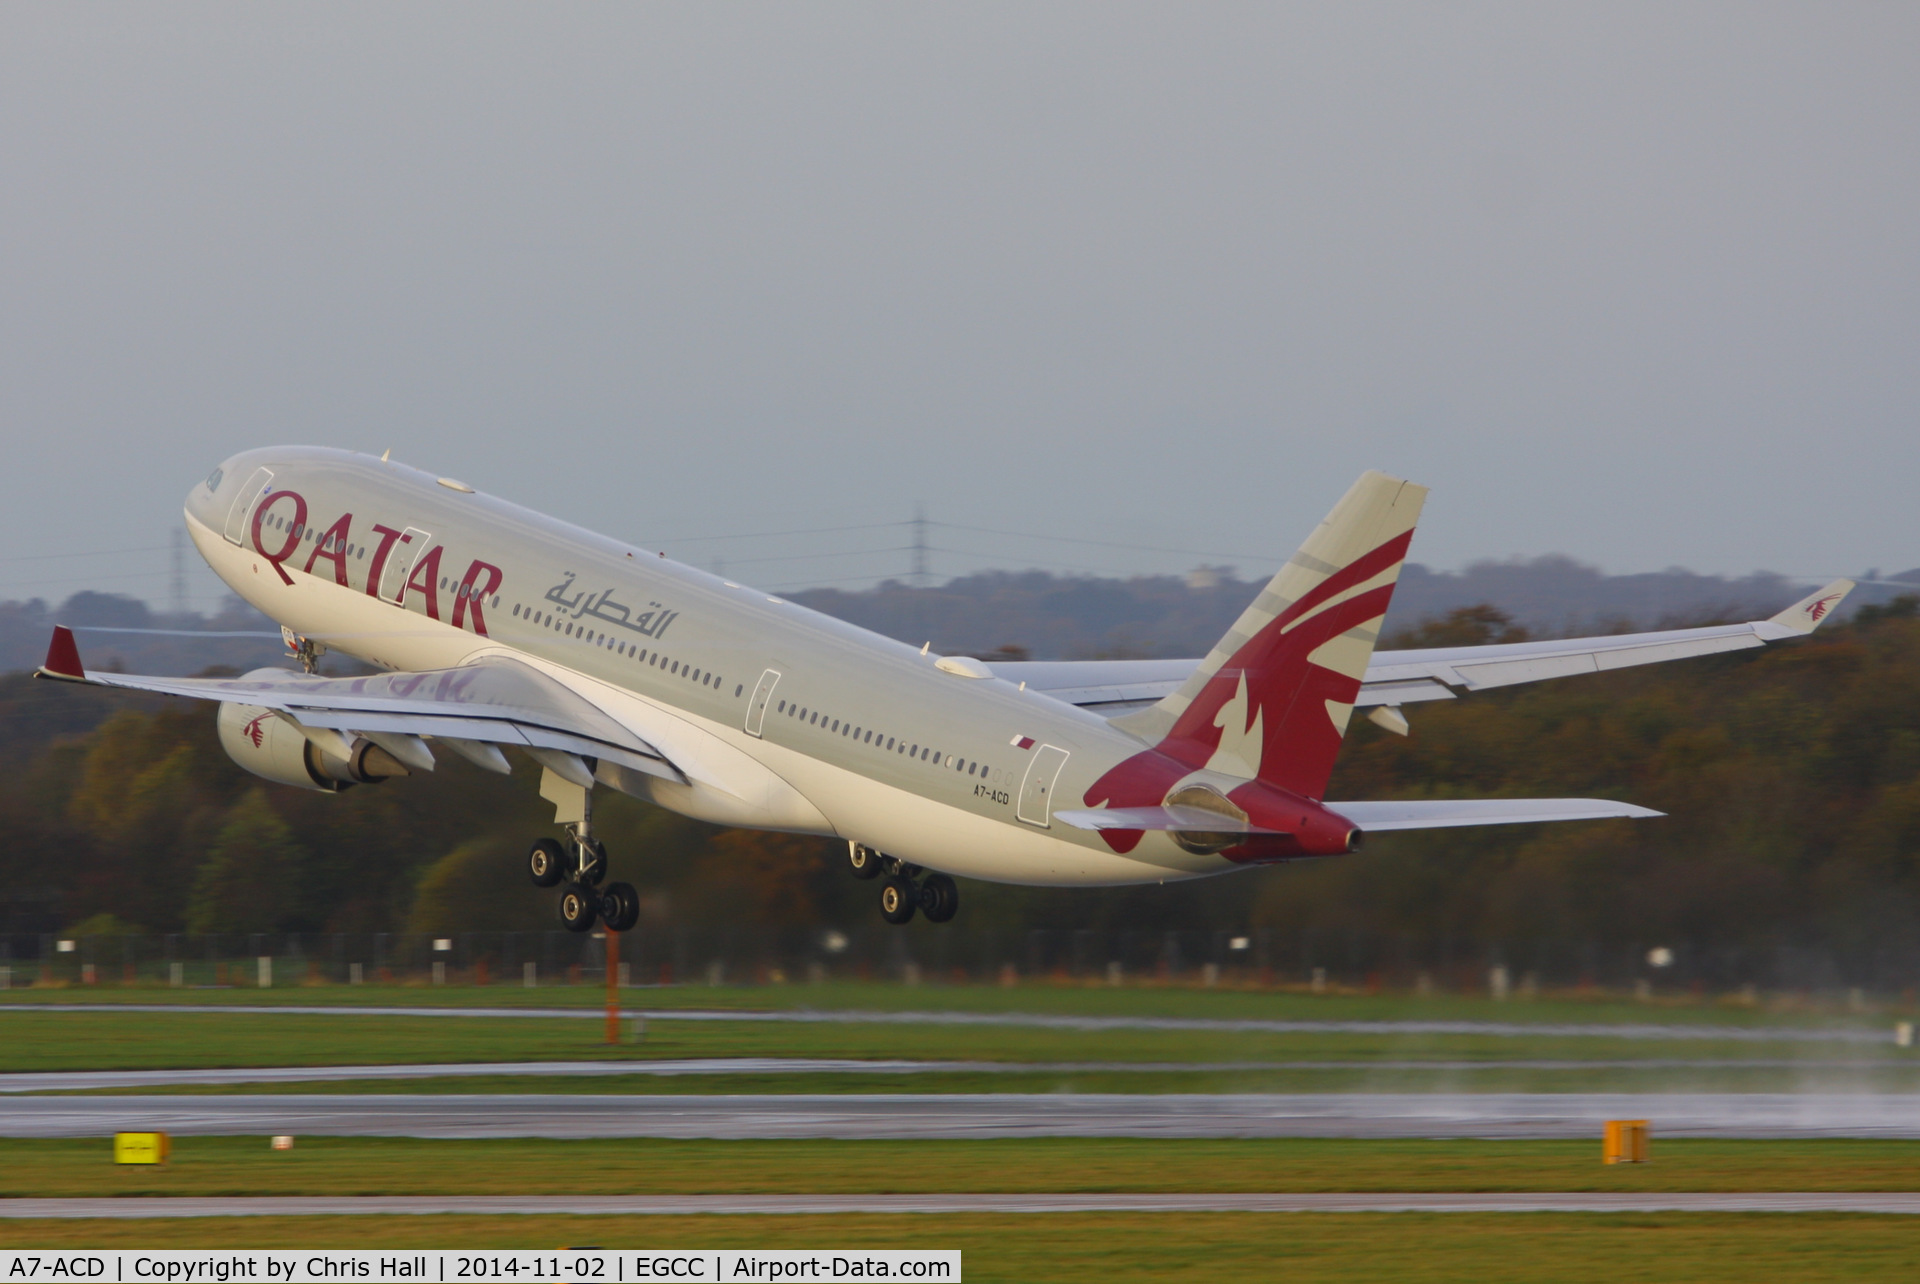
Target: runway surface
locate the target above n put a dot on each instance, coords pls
(1037, 1020)
(816, 1205)
(97, 1080)
(972, 1115)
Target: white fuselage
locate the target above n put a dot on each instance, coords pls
(859, 736)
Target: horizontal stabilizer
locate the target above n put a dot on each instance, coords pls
(1180, 819)
(1445, 813)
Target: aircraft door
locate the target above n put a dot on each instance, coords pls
(406, 551)
(762, 695)
(243, 505)
(1036, 791)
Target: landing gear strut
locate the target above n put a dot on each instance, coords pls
(581, 863)
(936, 895)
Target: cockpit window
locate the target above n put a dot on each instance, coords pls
(213, 479)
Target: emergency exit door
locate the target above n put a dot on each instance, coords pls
(1036, 791)
(406, 551)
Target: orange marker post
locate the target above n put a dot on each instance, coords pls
(1625, 1142)
(613, 987)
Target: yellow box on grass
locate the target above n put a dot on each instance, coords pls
(140, 1147)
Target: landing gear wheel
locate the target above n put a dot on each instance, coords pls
(579, 906)
(547, 863)
(897, 899)
(939, 898)
(864, 861)
(593, 862)
(619, 907)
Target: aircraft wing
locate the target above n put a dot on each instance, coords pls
(494, 701)
(1112, 687)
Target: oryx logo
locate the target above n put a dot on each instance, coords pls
(1822, 606)
(254, 731)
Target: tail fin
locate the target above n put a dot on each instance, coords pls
(1272, 699)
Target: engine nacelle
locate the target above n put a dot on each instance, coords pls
(271, 747)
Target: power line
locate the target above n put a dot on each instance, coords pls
(814, 557)
(102, 552)
(816, 530)
(920, 544)
(179, 584)
(1107, 543)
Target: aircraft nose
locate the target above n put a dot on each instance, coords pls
(205, 496)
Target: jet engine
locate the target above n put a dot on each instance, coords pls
(270, 746)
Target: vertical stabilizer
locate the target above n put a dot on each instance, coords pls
(1272, 699)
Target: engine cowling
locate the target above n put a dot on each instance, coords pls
(271, 747)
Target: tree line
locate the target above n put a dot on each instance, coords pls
(1790, 777)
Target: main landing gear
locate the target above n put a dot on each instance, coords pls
(936, 895)
(581, 863)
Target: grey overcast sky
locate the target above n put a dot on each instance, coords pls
(1639, 283)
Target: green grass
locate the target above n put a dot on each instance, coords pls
(1302, 1248)
(226, 1166)
(1046, 996)
(36, 1040)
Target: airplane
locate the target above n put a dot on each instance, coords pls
(496, 627)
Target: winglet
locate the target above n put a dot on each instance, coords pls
(1805, 615)
(63, 657)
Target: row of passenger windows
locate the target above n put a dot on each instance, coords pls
(450, 585)
(306, 534)
(621, 647)
(882, 741)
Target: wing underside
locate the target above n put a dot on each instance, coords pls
(494, 701)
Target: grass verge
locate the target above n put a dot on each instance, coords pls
(45, 1041)
(230, 1166)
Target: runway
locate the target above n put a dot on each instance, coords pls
(972, 1115)
(1897, 1203)
(1642, 1030)
(680, 1067)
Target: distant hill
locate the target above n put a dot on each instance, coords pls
(1056, 617)
(98, 618)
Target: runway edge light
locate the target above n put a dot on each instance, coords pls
(141, 1147)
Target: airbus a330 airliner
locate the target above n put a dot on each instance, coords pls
(612, 666)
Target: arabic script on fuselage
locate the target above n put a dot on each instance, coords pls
(650, 623)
